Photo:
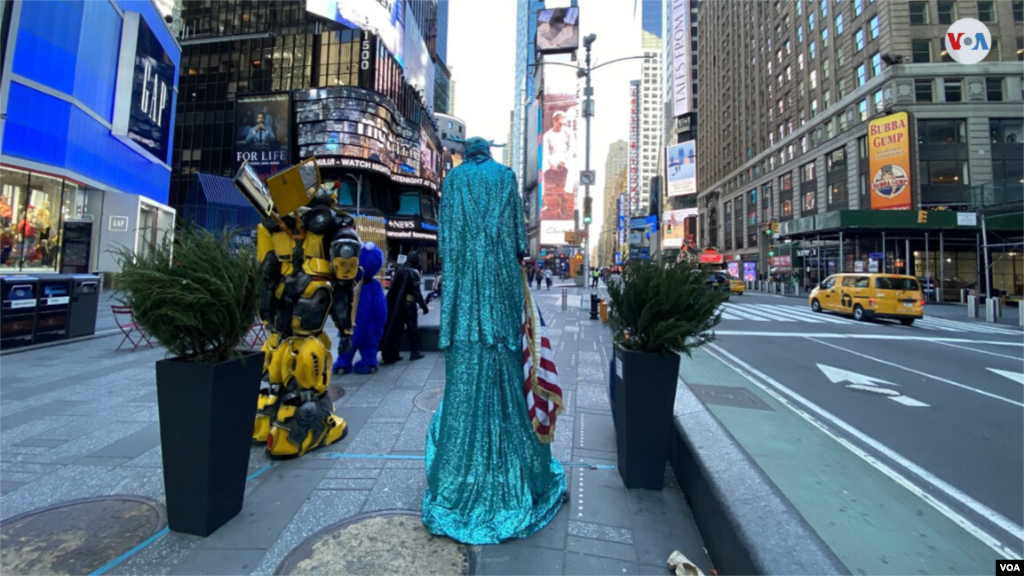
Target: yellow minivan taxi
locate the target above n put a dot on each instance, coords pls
(736, 286)
(866, 296)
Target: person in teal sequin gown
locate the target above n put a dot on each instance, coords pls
(489, 478)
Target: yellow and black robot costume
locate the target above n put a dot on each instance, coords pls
(309, 262)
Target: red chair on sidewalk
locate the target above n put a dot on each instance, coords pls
(257, 335)
(125, 320)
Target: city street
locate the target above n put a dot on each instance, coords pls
(899, 445)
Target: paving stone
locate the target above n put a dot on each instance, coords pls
(218, 561)
(353, 473)
(397, 490)
(600, 532)
(551, 536)
(414, 433)
(397, 404)
(595, 432)
(10, 486)
(356, 419)
(374, 438)
(662, 523)
(133, 445)
(596, 566)
(147, 397)
(651, 570)
(369, 396)
(106, 462)
(153, 458)
(526, 560)
(592, 398)
(603, 548)
(601, 505)
(347, 484)
(9, 422)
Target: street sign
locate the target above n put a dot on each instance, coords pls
(870, 384)
(588, 177)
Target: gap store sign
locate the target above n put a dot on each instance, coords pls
(144, 91)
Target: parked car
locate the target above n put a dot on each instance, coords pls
(719, 281)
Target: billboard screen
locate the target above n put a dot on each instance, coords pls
(682, 89)
(262, 132)
(889, 157)
(634, 147)
(145, 91)
(558, 30)
(419, 68)
(558, 153)
(679, 228)
(682, 169)
(384, 18)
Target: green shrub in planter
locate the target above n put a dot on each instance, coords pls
(656, 313)
(198, 297)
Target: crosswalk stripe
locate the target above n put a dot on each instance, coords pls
(822, 317)
(741, 315)
(756, 313)
(791, 312)
(727, 316)
(945, 324)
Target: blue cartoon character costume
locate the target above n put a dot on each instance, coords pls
(371, 314)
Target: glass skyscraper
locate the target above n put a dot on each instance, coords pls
(526, 29)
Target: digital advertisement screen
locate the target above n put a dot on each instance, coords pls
(559, 153)
(634, 146)
(262, 132)
(679, 228)
(419, 68)
(750, 271)
(558, 30)
(682, 169)
(384, 18)
(889, 157)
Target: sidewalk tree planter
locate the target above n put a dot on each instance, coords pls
(197, 296)
(656, 313)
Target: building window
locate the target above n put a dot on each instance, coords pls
(947, 12)
(858, 40)
(879, 101)
(947, 172)
(876, 64)
(987, 11)
(810, 22)
(994, 89)
(789, 47)
(789, 72)
(826, 69)
(922, 50)
(824, 37)
(800, 34)
(1018, 11)
(837, 196)
(862, 108)
(836, 160)
(812, 51)
(840, 58)
(1006, 130)
(810, 202)
(828, 98)
(799, 8)
(922, 90)
(800, 61)
(824, 9)
(1020, 48)
(807, 171)
(918, 12)
(858, 7)
(843, 122)
(839, 24)
(954, 91)
(830, 130)
(814, 107)
(873, 25)
(862, 75)
(942, 131)
(814, 79)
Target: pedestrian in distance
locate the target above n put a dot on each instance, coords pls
(547, 277)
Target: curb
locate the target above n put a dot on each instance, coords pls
(748, 525)
(32, 347)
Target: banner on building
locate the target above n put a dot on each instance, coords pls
(558, 30)
(262, 132)
(634, 147)
(681, 160)
(559, 154)
(385, 18)
(682, 89)
(679, 229)
(889, 159)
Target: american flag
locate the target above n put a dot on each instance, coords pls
(543, 395)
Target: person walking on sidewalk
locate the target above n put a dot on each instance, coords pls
(540, 277)
(547, 277)
(596, 275)
(489, 477)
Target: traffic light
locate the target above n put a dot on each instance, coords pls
(922, 216)
(587, 205)
(768, 230)
(775, 228)
(771, 253)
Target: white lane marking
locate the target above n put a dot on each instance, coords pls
(908, 401)
(834, 335)
(874, 390)
(1017, 358)
(743, 314)
(727, 316)
(1014, 530)
(947, 324)
(925, 374)
(1015, 376)
(757, 312)
(792, 312)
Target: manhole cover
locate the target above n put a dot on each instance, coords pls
(378, 543)
(335, 392)
(429, 401)
(735, 396)
(77, 537)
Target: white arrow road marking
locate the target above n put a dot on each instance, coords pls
(866, 383)
(837, 375)
(1017, 377)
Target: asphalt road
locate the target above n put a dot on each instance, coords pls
(902, 446)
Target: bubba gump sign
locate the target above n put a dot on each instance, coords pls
(889, 160)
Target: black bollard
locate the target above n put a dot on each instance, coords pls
(593, 306)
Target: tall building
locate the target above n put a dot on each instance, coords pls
(172, 9)
(652, 112)
(506, 152)
(432, 18)
(451, 97)
(787, 97)
(614, 173)
(321, 90)
(84, 158)
(526, 30)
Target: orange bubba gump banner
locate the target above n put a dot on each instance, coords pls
(889, 158)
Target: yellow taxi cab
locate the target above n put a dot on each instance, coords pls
(736, 285)
(867, 295)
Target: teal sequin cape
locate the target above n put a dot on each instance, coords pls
(489, 478)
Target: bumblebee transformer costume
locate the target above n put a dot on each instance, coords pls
(309, 263)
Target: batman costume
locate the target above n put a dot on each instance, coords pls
(403, 298)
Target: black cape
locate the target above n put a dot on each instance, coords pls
(406, 281)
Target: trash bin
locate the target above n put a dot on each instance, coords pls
(19, 296)
(85, 302)
(53, 308)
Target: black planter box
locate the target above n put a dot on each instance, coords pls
(643, 397)
(206, 418)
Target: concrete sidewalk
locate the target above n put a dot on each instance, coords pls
(80, 420)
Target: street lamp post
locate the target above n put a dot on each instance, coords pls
(359, 191)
